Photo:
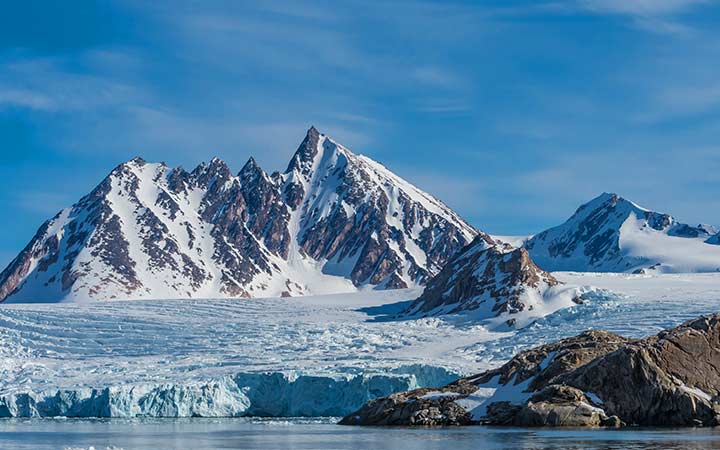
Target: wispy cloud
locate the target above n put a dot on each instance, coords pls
(657, 16)
(443, 107)
(24, 98)
(438, 76)
(301, 10)
(679, 81)
(672, 102)
(640, 7)
(48, 84)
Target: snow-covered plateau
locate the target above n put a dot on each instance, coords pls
(305, 356)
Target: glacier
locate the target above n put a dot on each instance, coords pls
(305, 356)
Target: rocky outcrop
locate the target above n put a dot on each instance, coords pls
(593, 379)
(671, 379)
(488, 279)
(332, 221)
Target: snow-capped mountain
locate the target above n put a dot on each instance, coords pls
(612, 234)
(334, 221)
(489, 279)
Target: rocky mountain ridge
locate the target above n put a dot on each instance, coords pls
(333, 221)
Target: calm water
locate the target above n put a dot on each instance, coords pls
(199, 434)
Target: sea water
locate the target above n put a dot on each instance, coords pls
(316, 434)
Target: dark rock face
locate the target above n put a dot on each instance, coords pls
(594, 379)
(267, 215)
(151, 231)
(590, 239)
(418, 407)
(484, 276)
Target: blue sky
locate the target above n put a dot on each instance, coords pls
(513, 112)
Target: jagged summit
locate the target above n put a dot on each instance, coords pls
(333, 222)
(250, 166)
(251, 172)
(304, 156)
(612, 234)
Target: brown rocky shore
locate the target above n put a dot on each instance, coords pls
(593, 379)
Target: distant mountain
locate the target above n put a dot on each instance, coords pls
(612, 234)
(334, 221)
(490, 280)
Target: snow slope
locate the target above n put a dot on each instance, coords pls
(306, 356)
(612, 234)
(333, 222)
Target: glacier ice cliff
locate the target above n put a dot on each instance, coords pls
(273, 394)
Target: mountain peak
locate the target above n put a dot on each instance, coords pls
(316, 150)
(607, 196)
(613, 234)
(138, 161)
(250, 166)
(128, 168)
(304, 156)
(601, 201)
(251, 171)
(216, 169)
(130, 164)
(618, 204)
